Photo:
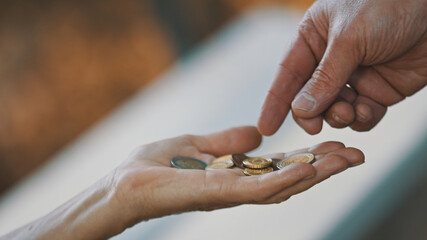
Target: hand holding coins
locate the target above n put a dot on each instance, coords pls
(204, 176)
(145, 186)
(199, 173)
(251, 165)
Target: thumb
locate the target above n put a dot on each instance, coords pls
(330, 76)
(233, 140)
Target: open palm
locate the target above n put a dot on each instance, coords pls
(151, 188)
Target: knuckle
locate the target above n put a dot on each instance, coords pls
(306, 29)
(345, 36)
(276, 95)
(292, 73)
(323, 81)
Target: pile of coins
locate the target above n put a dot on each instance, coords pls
(250, 165)
(257, 166)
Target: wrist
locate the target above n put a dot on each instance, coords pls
(93, 214)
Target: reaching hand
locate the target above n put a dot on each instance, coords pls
(349, 61)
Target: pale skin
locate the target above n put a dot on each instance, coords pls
(349, 61)
(145, 186)
(377, 47)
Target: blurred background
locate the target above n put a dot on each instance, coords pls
(82, 83)
(66, 64)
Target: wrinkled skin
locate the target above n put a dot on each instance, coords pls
(348, 62)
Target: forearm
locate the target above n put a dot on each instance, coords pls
(93, 214)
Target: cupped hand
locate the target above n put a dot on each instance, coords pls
(349, 61)
(148, 187)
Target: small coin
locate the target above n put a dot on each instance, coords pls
(225, 158)
(301, 157)
(188, 163)
(250, 171)
(220, 165)
(274, 163)
(257, 162)
(238, 159)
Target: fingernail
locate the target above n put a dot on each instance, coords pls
(338, 119)
(304, 102)
(361, 117)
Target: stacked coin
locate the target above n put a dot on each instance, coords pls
(257, 166)
(223, 162)
(301, 157)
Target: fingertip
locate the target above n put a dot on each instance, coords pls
(256, 136)
(251, 130)
(264, 128)
(273, 113)
(368, 114)
(248, 133)
(363, 113)
(233, 140)
(326, 147)
(332, 164)
(340, 115)
(355, 156)
(311, 125)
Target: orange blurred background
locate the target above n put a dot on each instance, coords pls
(65, 64)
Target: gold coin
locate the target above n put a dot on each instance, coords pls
(225, 158)
(250, 171)
(220, 165)
(301, 157)
(257, 162)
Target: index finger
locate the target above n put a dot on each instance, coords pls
(296, 68)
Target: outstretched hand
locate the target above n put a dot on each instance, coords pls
(349, 61)
(145, 186)
(151, 188)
